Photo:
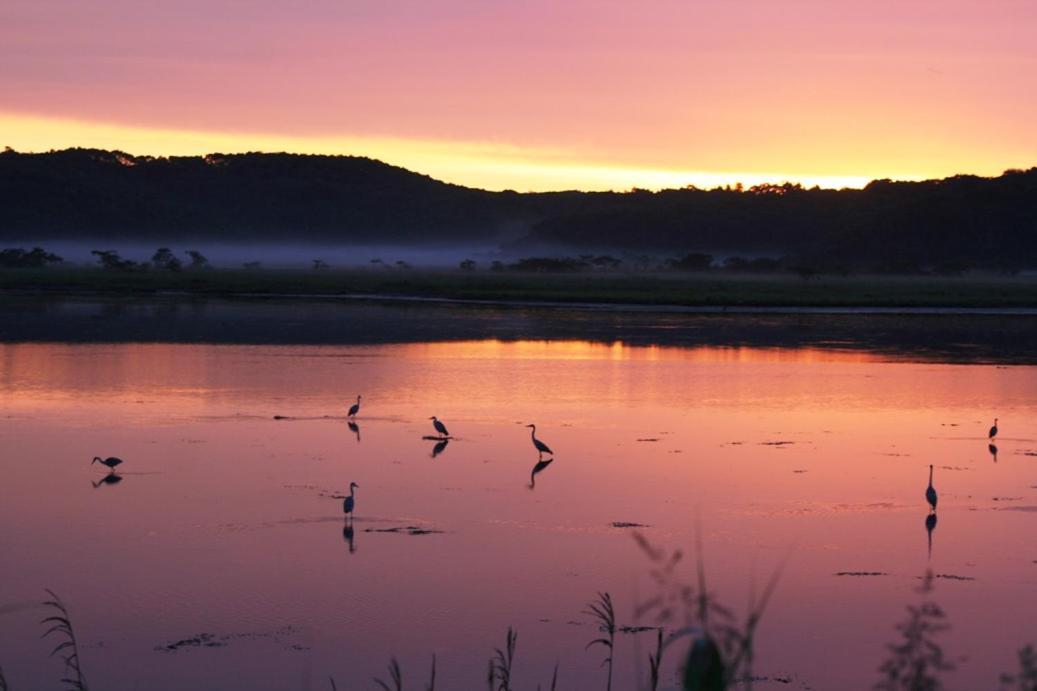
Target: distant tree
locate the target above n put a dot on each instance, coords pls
(111, 261)
(805, 272)
(696, 261)
(951, 268)
(758, 265)
(765, 264)
(549, 264)
(165, 259)
(606, 261)
(198, 260)
(497, 265)
(319, 265)
(377, 262)
(35, 258)
(467, 265)
(400, 264)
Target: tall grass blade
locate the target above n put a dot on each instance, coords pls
(605, 614)
(395, 675)
(68, 647)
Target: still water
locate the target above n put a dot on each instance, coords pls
(221, 559)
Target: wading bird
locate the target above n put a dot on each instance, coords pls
(111, 462)
(355, 408)
(930, 493)
(440, 427)
(350, 503)
(541, 447)
(993, 430)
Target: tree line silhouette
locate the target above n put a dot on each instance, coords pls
(947, 225)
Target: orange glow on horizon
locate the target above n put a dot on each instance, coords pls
(484, 165)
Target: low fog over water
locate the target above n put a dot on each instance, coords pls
(276, 255)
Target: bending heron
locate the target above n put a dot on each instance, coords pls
(993, 430)
(111, 462)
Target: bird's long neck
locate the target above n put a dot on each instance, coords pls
(351, 490)
(930, 476)
(533, 432)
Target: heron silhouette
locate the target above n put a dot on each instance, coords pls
(541, 447)
(993, 431)
(538, 468)
(440, 427)
(440, 447)
(355, 408)
(350, 502)
(930, 526)
(355, 429)
(930, 492)
(111, 462)
(992, 448)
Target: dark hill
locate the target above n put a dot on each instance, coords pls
(962, 221)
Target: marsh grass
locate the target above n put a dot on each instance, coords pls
(916, 662)
(718, 658)
(395, 675)
(654, 660)
(648, 287)
(502, 663)
(68, 647)
(605, 614)
(723, 647)
(1026, 678)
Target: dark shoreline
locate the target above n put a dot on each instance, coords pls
(957, 337)
(650, 290)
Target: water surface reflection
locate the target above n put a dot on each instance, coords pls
(819, 451)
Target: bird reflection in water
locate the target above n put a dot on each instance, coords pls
(110, 479)
(538, 468)
(347, 535)
(440, 447)
(992, 448)
(930, 526)
(355, 429)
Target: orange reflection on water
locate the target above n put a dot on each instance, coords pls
(225, 520)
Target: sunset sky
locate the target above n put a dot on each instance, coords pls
(538, 95)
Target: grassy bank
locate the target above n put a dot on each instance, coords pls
(661, 288)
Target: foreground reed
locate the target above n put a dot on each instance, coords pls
(719, 655)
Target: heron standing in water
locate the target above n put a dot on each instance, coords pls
(993, 431)
(355, 408)
(440, 427)
(930, 493)
(111, 462)
(541, 447)
(350, 503)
